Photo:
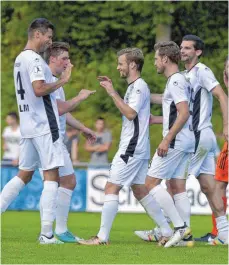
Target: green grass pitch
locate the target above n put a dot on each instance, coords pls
(20, 231)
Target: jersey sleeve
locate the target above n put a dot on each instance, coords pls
(207, 78)
(36, 69)
(137, 97)
(177, 89)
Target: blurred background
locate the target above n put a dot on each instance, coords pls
(96, 30)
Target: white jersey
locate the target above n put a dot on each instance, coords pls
(176, 91)
(11, 140)
(38, 115)
(135, 134)
(202, 81)
(59, 94)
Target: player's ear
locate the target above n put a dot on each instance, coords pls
(132, 65)
(198, 52)
(165, 59)
(36, 34)
(52, 59)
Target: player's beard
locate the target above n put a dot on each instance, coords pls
(124, 74)
(44, 47)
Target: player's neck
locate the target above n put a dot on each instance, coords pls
(30, 45)
(189, 65)
(172, 69)
(131, 78)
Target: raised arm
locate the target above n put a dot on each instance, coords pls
(42, 89)
(124, 108)
(70, 105)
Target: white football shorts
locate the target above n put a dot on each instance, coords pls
(127, 174)
(204, 160)
(67, 169)
(40, 152)
(174, 165)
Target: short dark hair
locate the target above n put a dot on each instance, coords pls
(169, 49)
(198, 43)
(56, 49)
(101, 118)
(13, 114)
(41, 24)
(133, 55)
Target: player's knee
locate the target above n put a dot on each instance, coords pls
(112, 188)
(25, 176)
(139, 191)
(68, 182)
(206, 189)
(151, 183)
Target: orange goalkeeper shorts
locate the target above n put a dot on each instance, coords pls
(221, 173)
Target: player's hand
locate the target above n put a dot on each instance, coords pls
(66, 74)
(104, 78)
(163, 148)
(89, 135)
(225, 132)
(84, 93)
(107, 84)
(225, 78)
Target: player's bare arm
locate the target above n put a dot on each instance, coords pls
(225, 78)
(70, 105)
(155, 119)
(219, 93)
(124, 108)
(42, 89)
(183, 110)
(86, 132)
(156, 98)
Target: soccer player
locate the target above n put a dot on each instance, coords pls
(40, 144)
(58, 59)
(221, 177)
(202, 166)
(130, 164)
(171, 159)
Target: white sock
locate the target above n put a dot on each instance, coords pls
(48, 201)
(165, 201)
(183, 206)
(10, 192)
(222, 226)
(63, 205)
(154, 211)
(41, 208)
(109, 211)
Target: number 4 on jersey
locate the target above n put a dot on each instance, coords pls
(21, 91)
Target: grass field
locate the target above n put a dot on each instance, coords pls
(20, 231)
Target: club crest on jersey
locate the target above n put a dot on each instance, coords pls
(37, 69)
(175, 83)
(138, 91)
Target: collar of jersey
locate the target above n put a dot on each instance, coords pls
(134, 81)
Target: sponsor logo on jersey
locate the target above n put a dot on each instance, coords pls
(37, 69)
